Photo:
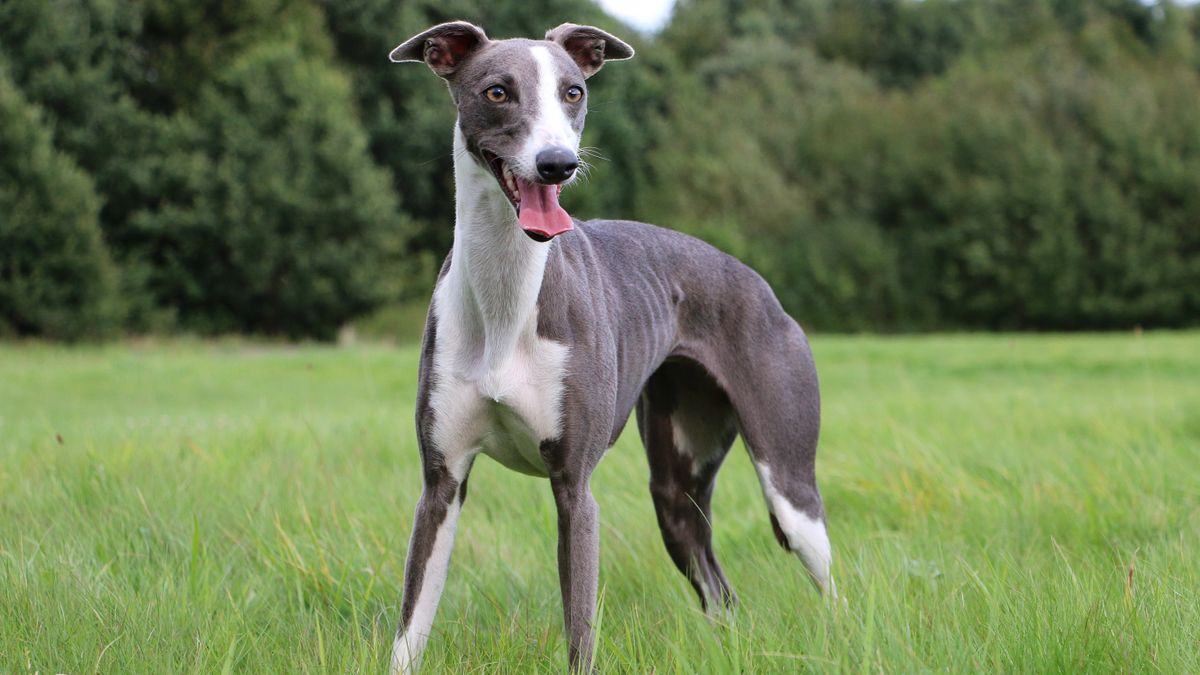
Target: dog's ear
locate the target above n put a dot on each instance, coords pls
(590, 47)
(443, 48)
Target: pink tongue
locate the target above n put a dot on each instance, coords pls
(539, 211)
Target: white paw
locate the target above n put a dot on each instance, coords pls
(406, 652)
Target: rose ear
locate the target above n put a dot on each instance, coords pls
(589, 47)
(443, 48)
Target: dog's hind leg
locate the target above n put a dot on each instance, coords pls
(687, 425)
(798, 521)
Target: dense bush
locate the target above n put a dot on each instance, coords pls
(1048, 180)
(56, 278)
(289, 227)
(891, 165)
(239, 193)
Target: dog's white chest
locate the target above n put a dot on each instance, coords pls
(503, 405)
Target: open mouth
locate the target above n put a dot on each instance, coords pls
(504, 176)
(538, 212)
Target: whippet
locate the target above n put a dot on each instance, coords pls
(545, 332)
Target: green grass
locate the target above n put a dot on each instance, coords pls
(231, 507)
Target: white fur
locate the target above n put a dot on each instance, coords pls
(805, 536)
(407, 649)
(497, 386)
(551, 127)
(688, 427)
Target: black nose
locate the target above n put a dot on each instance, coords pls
(556, 164)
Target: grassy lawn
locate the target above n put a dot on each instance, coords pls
(996, 503)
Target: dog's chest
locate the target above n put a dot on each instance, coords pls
(503, 403)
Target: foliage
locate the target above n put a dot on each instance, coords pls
(1045, 180)
(893, 165)
(288, 227)
(56, 277)
(239, 194)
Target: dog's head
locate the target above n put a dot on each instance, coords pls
(521, 105)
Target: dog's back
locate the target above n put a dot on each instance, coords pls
(671, 293)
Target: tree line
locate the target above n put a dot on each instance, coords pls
(890, 165)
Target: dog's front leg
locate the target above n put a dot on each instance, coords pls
(428, 559)
(578, 562)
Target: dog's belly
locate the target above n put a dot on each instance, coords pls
(510, 441)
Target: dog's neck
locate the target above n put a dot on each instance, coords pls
(495, 274)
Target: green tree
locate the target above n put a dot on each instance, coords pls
(896, 164)
(289, 228)
(1034, 181)
(56, 278)
(239, 193)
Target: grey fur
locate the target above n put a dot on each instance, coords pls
(654, 320)
(502, 129)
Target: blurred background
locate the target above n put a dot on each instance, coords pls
(259, 167)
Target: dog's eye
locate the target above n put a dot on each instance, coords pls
(496, 94)
(574, 94)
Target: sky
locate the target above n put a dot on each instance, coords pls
(650, 15)
(645, 15)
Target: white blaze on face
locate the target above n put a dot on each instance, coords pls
(551, 127)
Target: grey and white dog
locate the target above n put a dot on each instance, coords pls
(546, 332)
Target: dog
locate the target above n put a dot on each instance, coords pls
(545, 333)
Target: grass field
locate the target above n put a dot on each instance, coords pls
(1001, 504)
